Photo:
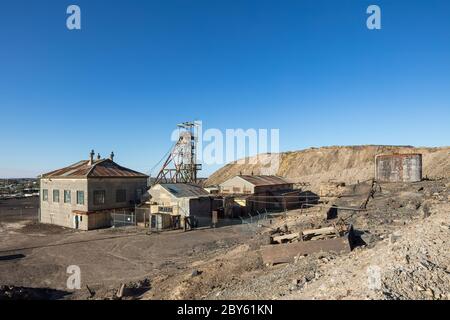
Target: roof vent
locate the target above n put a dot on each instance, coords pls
(99, 156)
(111, 157)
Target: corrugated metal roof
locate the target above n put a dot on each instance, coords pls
(264, 180)
(183, 190)
(104, 168)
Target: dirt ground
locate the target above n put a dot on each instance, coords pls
(403, 254)
(33, 255)
(405, 235)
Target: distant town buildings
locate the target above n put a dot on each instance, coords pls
(18, 188)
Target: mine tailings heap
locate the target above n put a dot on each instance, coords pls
(398, 168)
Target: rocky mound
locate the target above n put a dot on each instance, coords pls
(347, 164)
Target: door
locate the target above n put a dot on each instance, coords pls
(153, 222)
(77, 222)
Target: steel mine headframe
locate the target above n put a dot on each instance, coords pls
(181, 164)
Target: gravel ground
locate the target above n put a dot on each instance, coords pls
(406, 257)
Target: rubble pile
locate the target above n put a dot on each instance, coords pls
(400, 250)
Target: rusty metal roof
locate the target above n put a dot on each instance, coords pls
(264, 180)
(104, 168)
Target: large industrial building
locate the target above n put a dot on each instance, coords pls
(84, 195)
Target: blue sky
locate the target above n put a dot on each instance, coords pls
(137, 68)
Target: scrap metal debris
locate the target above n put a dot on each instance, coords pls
(335, 238)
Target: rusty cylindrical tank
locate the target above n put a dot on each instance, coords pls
(398, 168)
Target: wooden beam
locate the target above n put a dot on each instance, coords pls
(288, 237)
(323, 231)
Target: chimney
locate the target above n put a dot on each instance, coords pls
(91, 157)
(98, 156)
(111, 157)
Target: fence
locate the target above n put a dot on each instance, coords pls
(123, 219)
(142, 216)
(16, 210)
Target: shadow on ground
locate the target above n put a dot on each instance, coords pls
(22, 293)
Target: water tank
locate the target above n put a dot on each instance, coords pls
(398, 168)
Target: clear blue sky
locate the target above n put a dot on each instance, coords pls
(137, 68)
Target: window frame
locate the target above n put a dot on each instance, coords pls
(56, 191)
(45, 195)
(139, 193)
(67, 200)
(80, 192)
(97, 193)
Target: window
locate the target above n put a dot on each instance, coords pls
(80, 197)
(67, 196)
(138, 194)
(99, 197)
(121, 196)
(55, 195)
(45, 195)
